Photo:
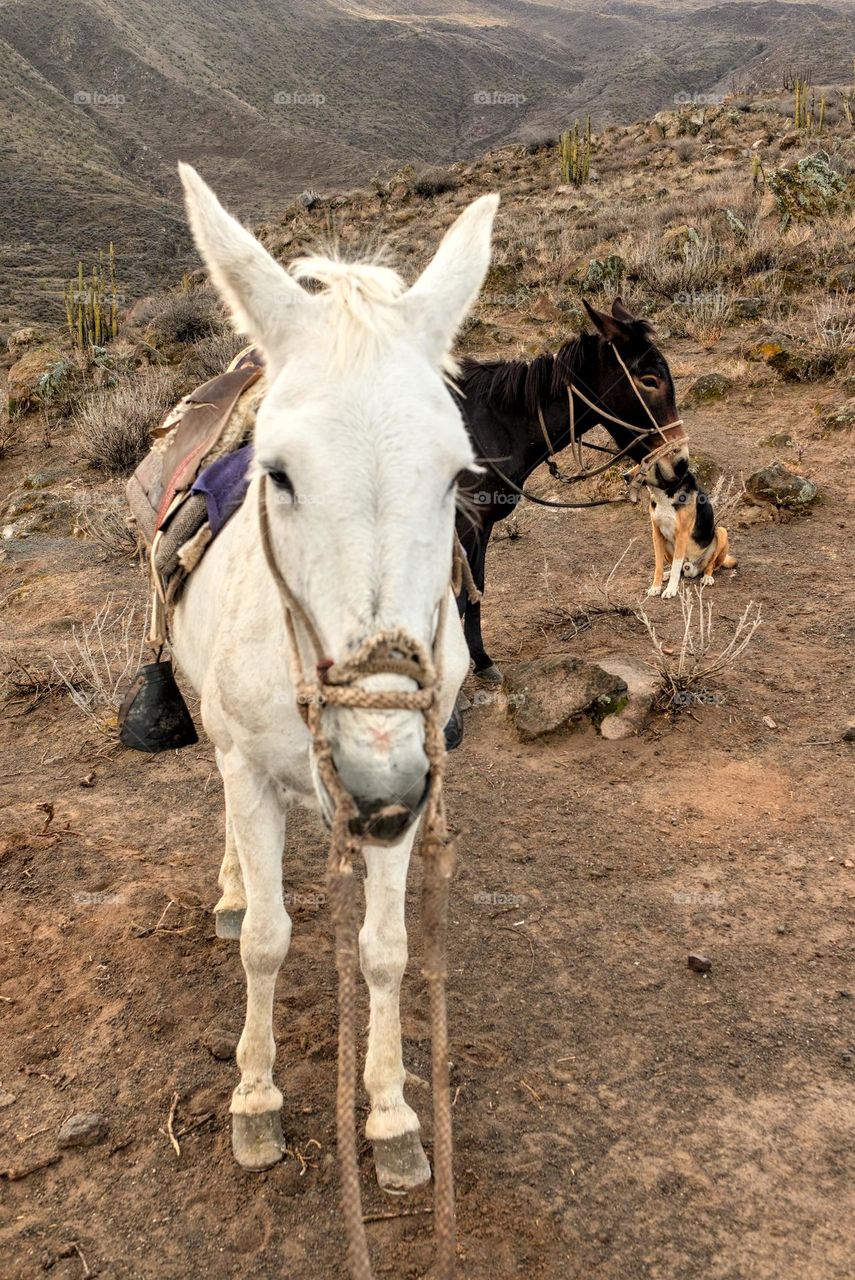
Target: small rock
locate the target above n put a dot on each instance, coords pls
(770, 723)
(699, 963)
(849, 864)
(6, 1098)
(763, 352)
(707, 389)
(782, 487)
(220, 1044)
(747, 308)
(841, 418)
(83, 1130)
(778, 440)
(641, 685)
(554, 693)
(800, 366)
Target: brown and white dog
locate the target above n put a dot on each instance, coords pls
(684, 530)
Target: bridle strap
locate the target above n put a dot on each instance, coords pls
(576, 445)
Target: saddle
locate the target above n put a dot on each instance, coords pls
(194, 477)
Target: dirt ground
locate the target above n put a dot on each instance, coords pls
(616, 1114)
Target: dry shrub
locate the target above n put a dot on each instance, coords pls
(692, 269)
(703, 316)
(212, 355)
(727, 495)
(24, 683)
(186, 316)
(114, 426)
(104, 656)
(105, 519)
(834, 321)
(434, 182)
(684, 675)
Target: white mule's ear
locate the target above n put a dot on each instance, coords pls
(260, 294)
(441, 298)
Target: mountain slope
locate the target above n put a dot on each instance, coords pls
(100, 97)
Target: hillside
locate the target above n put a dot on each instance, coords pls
(100, 97)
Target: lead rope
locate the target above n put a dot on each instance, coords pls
(390, 652)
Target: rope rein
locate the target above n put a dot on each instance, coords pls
(333, 684)
(576, 445)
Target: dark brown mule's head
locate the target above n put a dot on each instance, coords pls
(630, 369)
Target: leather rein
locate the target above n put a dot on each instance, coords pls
(576, 445)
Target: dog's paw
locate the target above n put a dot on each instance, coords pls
(707, 580)
(654, 590)
(669, 592)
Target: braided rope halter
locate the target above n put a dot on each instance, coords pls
(333, 684)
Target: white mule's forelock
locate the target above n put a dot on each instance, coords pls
(363, 295)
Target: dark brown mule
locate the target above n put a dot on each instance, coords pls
(501, 400)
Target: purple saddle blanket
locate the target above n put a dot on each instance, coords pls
(223, 485)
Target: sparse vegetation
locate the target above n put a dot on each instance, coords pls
(103, 657)
(114, 426)
(185, 316)
(434, 182)
(684, 675)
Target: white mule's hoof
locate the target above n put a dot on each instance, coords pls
(228, 924)
(401, 1163)
(257, 1141)
(490, 675)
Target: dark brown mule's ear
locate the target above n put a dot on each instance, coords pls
(612, 328)
(641, 327)
(620, 312)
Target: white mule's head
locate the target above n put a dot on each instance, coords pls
(362, 444)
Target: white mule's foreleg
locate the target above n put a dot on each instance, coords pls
(230, 910)
(393, 1126)
(258, 825)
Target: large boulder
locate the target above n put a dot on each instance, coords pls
(809, 188)
(782, 487)
(548, 694)
(35, 376)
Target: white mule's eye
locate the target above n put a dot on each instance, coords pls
(281, 480)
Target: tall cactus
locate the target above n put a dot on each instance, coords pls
(92, 304)
(575, 150)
